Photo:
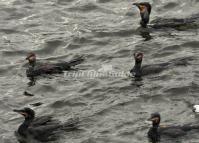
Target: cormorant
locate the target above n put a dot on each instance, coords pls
(36, 69)
(138, 70)
(156, 132)
(43, 128)
(145, 11)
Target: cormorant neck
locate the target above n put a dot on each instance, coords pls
(144, 19)
(24, 126)
(138, 64)
(154, 134)
(155, 128)
(32, 63)
(155, 125)
(137, 69)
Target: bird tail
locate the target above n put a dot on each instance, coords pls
(76, 61)
(195, 126)
(181, 61)
(189, 127)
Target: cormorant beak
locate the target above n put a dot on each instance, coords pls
(136, 4)
(154, 119)
(31, 58)
(21, 112)
(28, 57)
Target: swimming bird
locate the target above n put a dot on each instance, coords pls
(177, 23)
(156, 132)
(138, 70)
(36, 69)
(43, 128)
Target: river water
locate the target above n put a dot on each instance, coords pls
(112, 109)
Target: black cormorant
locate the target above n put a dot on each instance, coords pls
(35, 69)
(156, 132)
(43, 128)
(138, 70)
(177, 23)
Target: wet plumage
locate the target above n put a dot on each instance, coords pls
(36, 69)
(138, 70)
(43, 128)
(156, 132)
(177, 23)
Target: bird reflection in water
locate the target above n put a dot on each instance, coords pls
(145, 34)
(32, 81)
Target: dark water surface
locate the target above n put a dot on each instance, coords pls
(114, 110)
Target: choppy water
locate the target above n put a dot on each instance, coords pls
(104, 31)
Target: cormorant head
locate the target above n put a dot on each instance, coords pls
(138, 57)
(145, 11)
(155, 118)
(28, 113)
(31, 57)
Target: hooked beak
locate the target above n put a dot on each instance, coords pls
(20, 112)
(136, 4)
(153, 119)
(17, 110)
(27, 57)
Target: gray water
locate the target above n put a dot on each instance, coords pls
(113, 109)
